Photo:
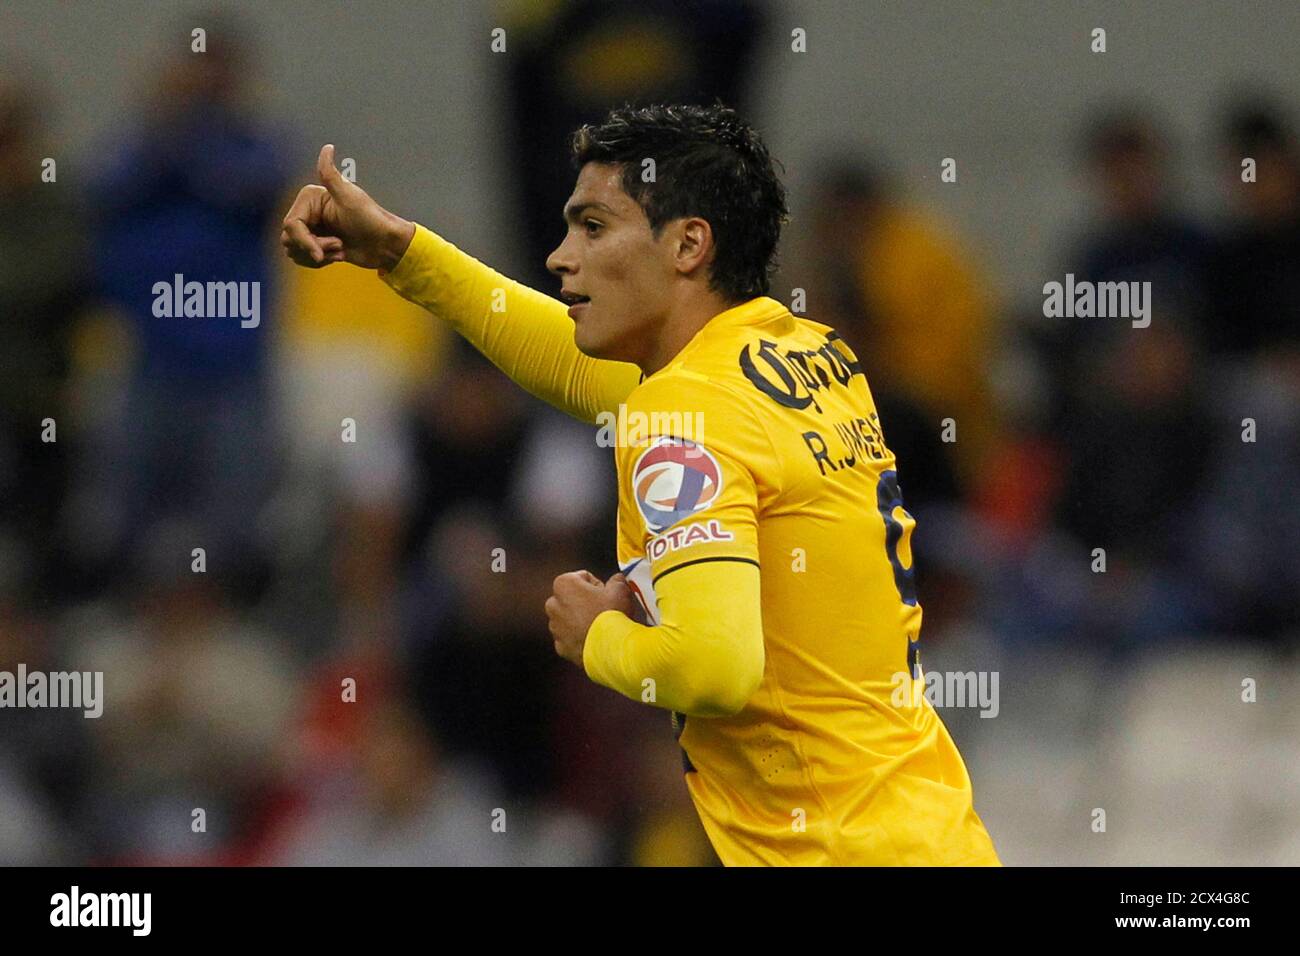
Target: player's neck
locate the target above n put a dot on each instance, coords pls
(682, 324)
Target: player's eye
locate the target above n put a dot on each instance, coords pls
(592, 226)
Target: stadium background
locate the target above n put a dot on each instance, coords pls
(371, 560)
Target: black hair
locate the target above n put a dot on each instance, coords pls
(708, 162)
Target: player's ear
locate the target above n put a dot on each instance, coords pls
(694, 243)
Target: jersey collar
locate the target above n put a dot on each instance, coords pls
(754, 312)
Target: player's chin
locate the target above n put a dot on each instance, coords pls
(589, 340)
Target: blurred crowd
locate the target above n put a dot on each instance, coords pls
(310, 557)
(1164, 446)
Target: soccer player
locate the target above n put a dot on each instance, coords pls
(766, 594)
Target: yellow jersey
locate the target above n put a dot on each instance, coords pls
(760, 443)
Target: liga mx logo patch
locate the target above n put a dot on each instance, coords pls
(673, 479)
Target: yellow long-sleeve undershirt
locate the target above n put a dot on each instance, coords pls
(525, 333)
(705, 657)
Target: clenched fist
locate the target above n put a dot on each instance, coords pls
(337, 221)
(577, 599)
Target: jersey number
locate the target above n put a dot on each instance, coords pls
(889, 498)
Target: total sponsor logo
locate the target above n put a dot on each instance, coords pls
(686, 536)
(673, 479)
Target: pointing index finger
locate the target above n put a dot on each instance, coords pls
(300, 237)
(307, 205)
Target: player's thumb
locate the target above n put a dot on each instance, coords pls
(330, 177)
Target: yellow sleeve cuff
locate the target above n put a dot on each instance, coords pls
(404, 277)
(608, 632)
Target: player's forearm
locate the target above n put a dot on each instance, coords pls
(525, 333)
(706, 657)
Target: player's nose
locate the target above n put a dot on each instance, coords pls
(560, 262)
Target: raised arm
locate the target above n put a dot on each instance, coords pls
(525, 333)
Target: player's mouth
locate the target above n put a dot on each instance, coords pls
(576, 302)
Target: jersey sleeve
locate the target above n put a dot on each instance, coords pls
(525, 333)
(689, 456)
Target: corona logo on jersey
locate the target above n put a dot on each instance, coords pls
(673, 479)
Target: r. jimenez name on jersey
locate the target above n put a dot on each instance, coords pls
(859, 439)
